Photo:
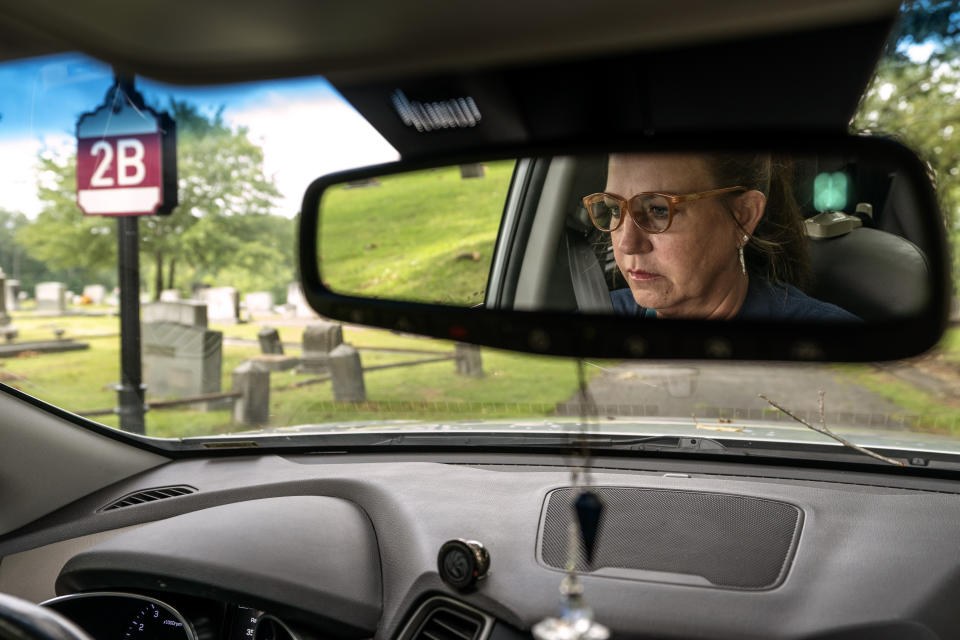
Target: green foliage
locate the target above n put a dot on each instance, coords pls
(61, 237)
(19, 264)
(426, 236)
(917, 102)
(922, 411)
(221, 184)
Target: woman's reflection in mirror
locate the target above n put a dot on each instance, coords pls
(707, 236)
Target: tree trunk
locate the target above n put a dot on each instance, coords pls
(159, 278)
(173, 264)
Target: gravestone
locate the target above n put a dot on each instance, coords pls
(468, 359)
(347, 375)
(223, 304)
(271, 351)
(359, 184)
(319, 340)
(7, 330)
(275, 361)
(181, 357)
(169, 295)
(12, 295)
(51, 297)
(95, 293)
(471, 170)
(191, 313)
(252, 408)
(298, 302)
(270, 341)
(259, 302)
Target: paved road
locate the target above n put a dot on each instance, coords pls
(712, 390)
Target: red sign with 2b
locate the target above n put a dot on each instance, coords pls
(119, 175)
(126, 158)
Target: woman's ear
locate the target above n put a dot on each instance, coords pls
(749, 208)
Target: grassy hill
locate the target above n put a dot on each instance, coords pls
(425, 236)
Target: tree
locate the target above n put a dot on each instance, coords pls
(61, 237)
(17, 263)
(221, 183)
(222, 192)
(916, 101)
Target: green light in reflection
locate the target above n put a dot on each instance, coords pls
(830, 191)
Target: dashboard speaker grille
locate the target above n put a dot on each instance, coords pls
(717, 539)
(149, 495)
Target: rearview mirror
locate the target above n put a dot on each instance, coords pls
(829, 249)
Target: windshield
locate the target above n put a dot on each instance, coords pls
(228, 344)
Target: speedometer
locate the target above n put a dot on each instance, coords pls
(123, 616)
(156, 621)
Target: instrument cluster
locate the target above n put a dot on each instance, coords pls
(130, 616)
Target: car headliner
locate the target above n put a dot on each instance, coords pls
(235, 40)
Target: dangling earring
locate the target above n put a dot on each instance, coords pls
(743, 264)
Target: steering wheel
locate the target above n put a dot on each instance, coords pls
(24, 620)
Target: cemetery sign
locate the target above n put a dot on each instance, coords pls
(126, 157)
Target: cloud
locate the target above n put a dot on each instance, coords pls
(305, 138)
(18, 170)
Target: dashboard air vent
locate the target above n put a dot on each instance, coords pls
(149, 495)
(445, 619)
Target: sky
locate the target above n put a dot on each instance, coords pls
(305, 128)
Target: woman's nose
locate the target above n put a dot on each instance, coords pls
(630, 238)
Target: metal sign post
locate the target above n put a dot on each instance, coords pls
(131, 400)
(126, 167)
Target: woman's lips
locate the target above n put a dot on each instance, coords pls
(639, 275)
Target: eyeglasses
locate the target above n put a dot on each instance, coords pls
(652, 212)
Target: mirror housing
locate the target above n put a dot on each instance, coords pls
(586, 334)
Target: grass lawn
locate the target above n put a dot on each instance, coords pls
(515, 385)
(925, 411)
(426, 236)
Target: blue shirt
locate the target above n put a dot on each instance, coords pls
(764, 301)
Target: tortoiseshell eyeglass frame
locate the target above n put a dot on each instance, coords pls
(672, 201)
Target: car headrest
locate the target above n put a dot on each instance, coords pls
(873, 274)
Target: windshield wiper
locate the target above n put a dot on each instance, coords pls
(568, 441)
(572, 441)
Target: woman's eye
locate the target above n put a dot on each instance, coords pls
(612, 208)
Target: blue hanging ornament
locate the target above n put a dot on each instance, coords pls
(589, 509)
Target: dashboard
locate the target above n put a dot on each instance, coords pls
(346, 546)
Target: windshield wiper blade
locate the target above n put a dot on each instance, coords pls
(565, 441)
(570, 441)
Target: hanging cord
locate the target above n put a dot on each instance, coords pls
(576, 620)
(580, 478)
(588, 414)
